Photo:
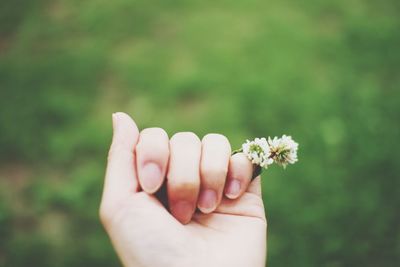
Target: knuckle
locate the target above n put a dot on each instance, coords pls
(215, 137)
(153, 141)
(240, 161)
(185, 137)
(154, 131)
(216, 142)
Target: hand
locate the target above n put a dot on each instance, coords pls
(229, 229)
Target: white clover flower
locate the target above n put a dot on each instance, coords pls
(258, 152)
(262, 152)
(283, 150)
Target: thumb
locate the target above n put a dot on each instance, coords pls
(120, 178)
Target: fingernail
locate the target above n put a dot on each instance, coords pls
(150, 177)
(207, 200)
(233, 188)
(182, 211)
(114, 120)
(116, 125)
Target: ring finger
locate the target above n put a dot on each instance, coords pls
(239, 175)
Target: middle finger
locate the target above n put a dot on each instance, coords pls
(183, 178)
(215, 157)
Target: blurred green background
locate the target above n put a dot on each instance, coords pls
(325, 72)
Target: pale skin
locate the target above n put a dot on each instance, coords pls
(215, 214)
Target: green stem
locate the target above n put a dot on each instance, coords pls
(237, 151)
(257, 171)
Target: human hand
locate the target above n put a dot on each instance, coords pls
(229, 227)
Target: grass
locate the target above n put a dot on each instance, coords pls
(324, 72)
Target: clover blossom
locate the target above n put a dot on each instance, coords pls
(283, 150)
(258, 152)
(262, 152)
